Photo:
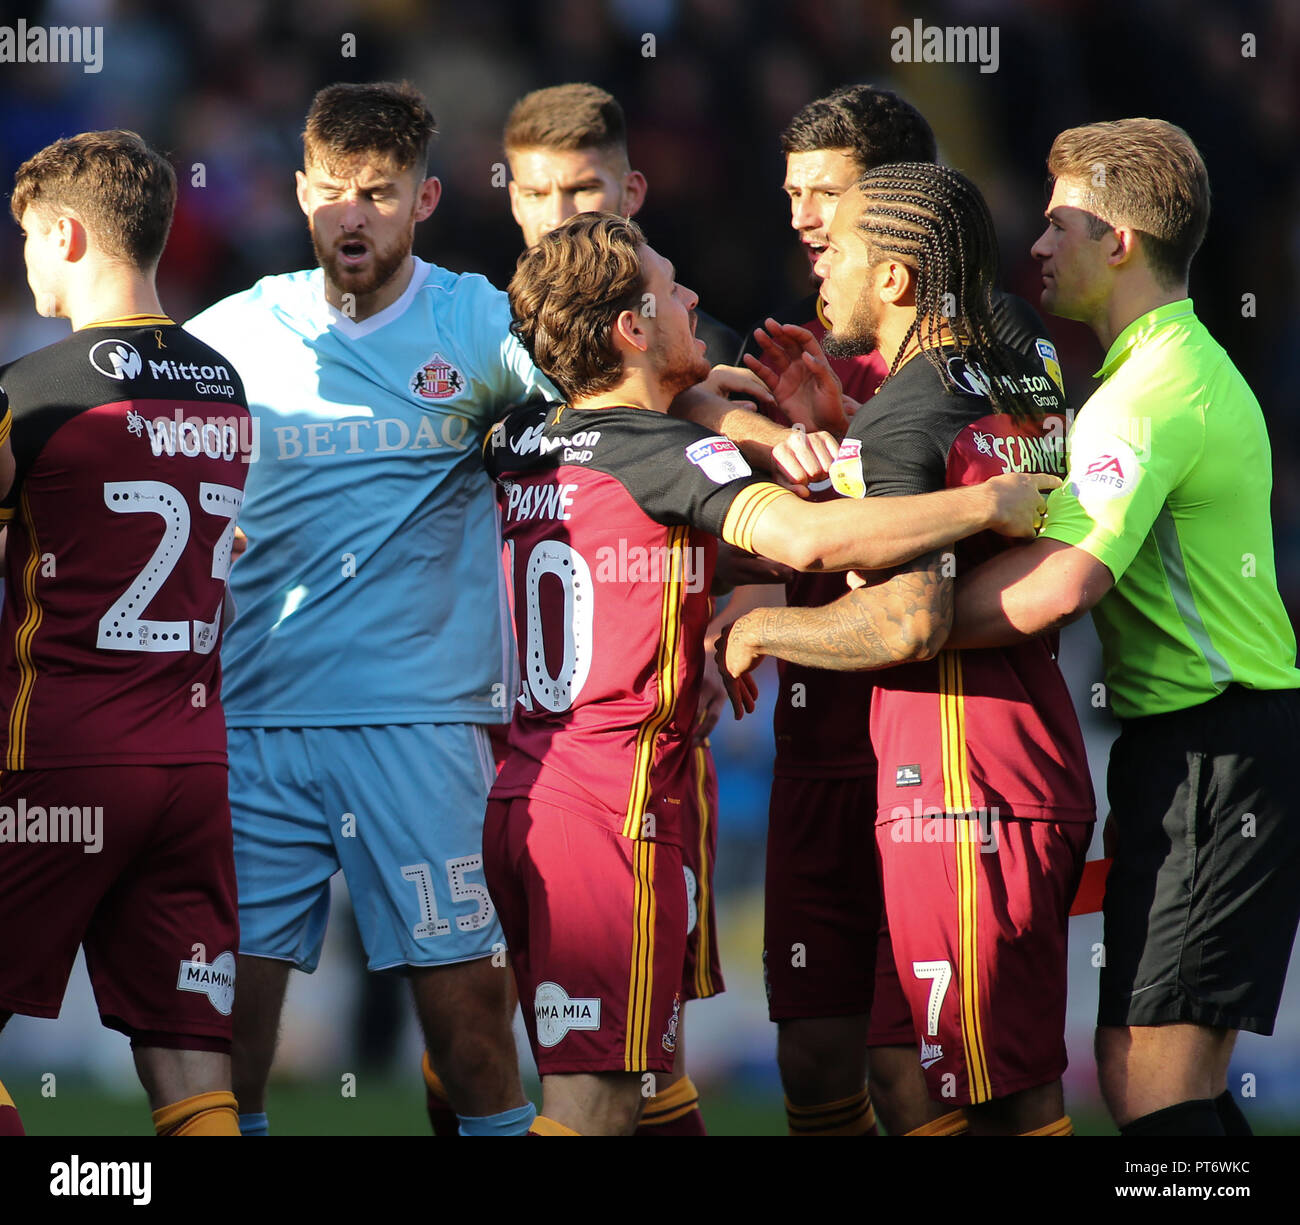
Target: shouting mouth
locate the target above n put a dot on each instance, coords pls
(353, 253)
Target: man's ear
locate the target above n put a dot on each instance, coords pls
(73, 238)
(630, 328)
(300, 185)
(427, 197)
(512, 190)
(897, 286)
(634, 189)
(1120, 245)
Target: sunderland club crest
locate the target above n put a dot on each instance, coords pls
(437, 379)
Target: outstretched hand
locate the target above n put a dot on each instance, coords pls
(795, 371)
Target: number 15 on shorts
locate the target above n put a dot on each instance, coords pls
(462, 890)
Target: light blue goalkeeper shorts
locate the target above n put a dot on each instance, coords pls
(398, 808)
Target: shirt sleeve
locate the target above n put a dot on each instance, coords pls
(890, 450)
(681, 474)
(503, 363)
(1122, 468)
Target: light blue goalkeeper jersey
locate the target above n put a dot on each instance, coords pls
(372, 590)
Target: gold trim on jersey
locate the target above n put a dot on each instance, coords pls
(972, 1025)
(670, 629)
(744, 513)
(640, 990)
(129, 321)
(957, 799)
(703, 962)
(952, 733)
(15, 758)
(6, 514)
(6, 426)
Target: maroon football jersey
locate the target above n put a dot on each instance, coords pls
(131, 440)
(982, 729)
(611, 518)
(820, 718)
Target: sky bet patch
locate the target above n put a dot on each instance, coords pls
(719, 459)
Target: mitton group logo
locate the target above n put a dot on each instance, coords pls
(116, 359)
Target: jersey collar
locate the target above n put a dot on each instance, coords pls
(354, 329)
(1141, 330)
(130, 321)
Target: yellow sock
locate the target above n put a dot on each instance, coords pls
(1062, 1127)
(204, 1114)
(10, 1123)
(951, 1124)
(679, 1099)
(850, 1116)
(431, 1078)
(542, 1126)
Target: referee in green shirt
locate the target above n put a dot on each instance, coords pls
(1162, 530)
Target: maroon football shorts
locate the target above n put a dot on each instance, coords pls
(702, 975)
(977, 919)
(822, 898)
(135, 864)
(596, 928)
(891, 1014)
(499, 738)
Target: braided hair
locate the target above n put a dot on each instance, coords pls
(934, 220)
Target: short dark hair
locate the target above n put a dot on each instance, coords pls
(1144, 173)
(123, 191)
(875, 125)
(567, 294)
(564, 118)
(346, 120)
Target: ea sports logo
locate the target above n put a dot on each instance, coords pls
(115, 359)
(1101, 469)
(1106, 466)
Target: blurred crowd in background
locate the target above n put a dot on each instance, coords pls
(707, 86)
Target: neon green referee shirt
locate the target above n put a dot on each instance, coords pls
(1169, 480)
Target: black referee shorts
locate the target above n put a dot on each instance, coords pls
(1204, 894)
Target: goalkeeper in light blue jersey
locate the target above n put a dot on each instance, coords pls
(371, 643)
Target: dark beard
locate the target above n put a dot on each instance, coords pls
(386, 266)
(853, 345)
(860, 337)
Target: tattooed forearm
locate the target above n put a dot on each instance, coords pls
(905, 618)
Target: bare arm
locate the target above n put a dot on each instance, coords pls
(882, 533)
(1024, 592)
(753, 433)
(904, 618)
